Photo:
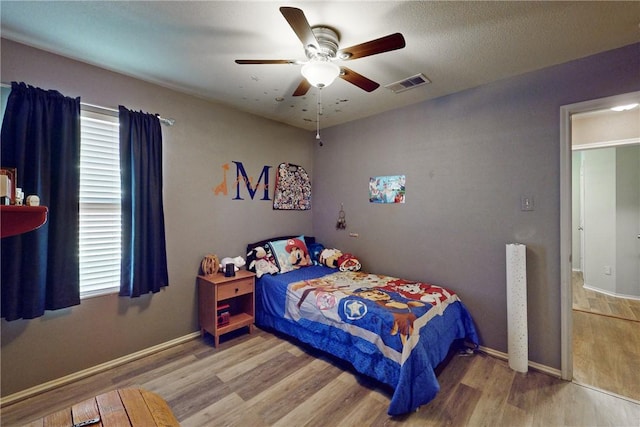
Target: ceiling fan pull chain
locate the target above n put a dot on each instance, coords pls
(318, 103)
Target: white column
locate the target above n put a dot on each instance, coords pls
(518, 339)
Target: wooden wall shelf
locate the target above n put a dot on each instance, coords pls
(20, 219)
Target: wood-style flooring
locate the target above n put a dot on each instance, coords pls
(264, 380)
(598, 303)
(606, 341)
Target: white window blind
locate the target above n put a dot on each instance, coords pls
(100, 221)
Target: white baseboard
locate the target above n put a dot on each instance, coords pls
(50, 385)
(609, 293)
(41, 388)
(610, 393)
(533, 365)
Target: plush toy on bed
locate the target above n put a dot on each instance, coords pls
(261, 262)
(348, 262)
(315, 249)
(329, 257)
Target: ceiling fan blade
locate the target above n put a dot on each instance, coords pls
(373, 47)
(302, 88)
(295, 17)
(358, 79)
(265, 61)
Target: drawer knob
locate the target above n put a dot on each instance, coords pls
(237, 290)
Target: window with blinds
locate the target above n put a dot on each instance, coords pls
(100, 222)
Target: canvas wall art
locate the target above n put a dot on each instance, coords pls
(293, 188)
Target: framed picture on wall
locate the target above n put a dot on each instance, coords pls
(9, 183)
(387, 189)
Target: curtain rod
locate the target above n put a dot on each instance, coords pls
(163, 120)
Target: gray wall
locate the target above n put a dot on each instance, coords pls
(611, 217)
(600, 219)
(205, 136)
(604, 128)
(468, 158)
(627, 220)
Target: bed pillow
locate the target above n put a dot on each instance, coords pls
(308, 240)
(290, 254)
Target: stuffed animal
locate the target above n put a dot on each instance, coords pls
(329, 257)
(237, 261)
(261, 262)
(315, 249)
(348, 262)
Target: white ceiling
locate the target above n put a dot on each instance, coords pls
(191, 46)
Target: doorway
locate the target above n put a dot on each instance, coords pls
(569, 247)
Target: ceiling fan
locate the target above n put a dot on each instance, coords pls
(321, 46)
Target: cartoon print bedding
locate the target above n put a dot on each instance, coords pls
(394, 330)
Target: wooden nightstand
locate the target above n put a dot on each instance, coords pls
(234, 295)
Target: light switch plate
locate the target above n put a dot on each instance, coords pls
(527, 203)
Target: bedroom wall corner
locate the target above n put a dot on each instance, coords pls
(468, 159)
(205, 137)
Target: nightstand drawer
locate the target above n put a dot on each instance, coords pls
(235, 288)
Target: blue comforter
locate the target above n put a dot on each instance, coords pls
(393, 330)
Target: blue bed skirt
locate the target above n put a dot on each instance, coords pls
(410, 374)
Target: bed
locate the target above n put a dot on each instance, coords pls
(393, 330)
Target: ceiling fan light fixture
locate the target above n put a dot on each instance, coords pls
(320, 73)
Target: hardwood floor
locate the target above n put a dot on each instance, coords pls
(264, 380)
(598, 303)
(606, 341)
(606, 353)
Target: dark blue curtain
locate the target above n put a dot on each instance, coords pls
(41, 138)
(144, 255)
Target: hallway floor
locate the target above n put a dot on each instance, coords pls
(598, 303)
(606, 341)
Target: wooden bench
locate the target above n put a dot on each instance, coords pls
(121, 408)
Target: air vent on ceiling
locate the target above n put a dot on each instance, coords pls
(408, 83)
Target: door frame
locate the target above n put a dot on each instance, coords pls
(581, 225)
(566, 291)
